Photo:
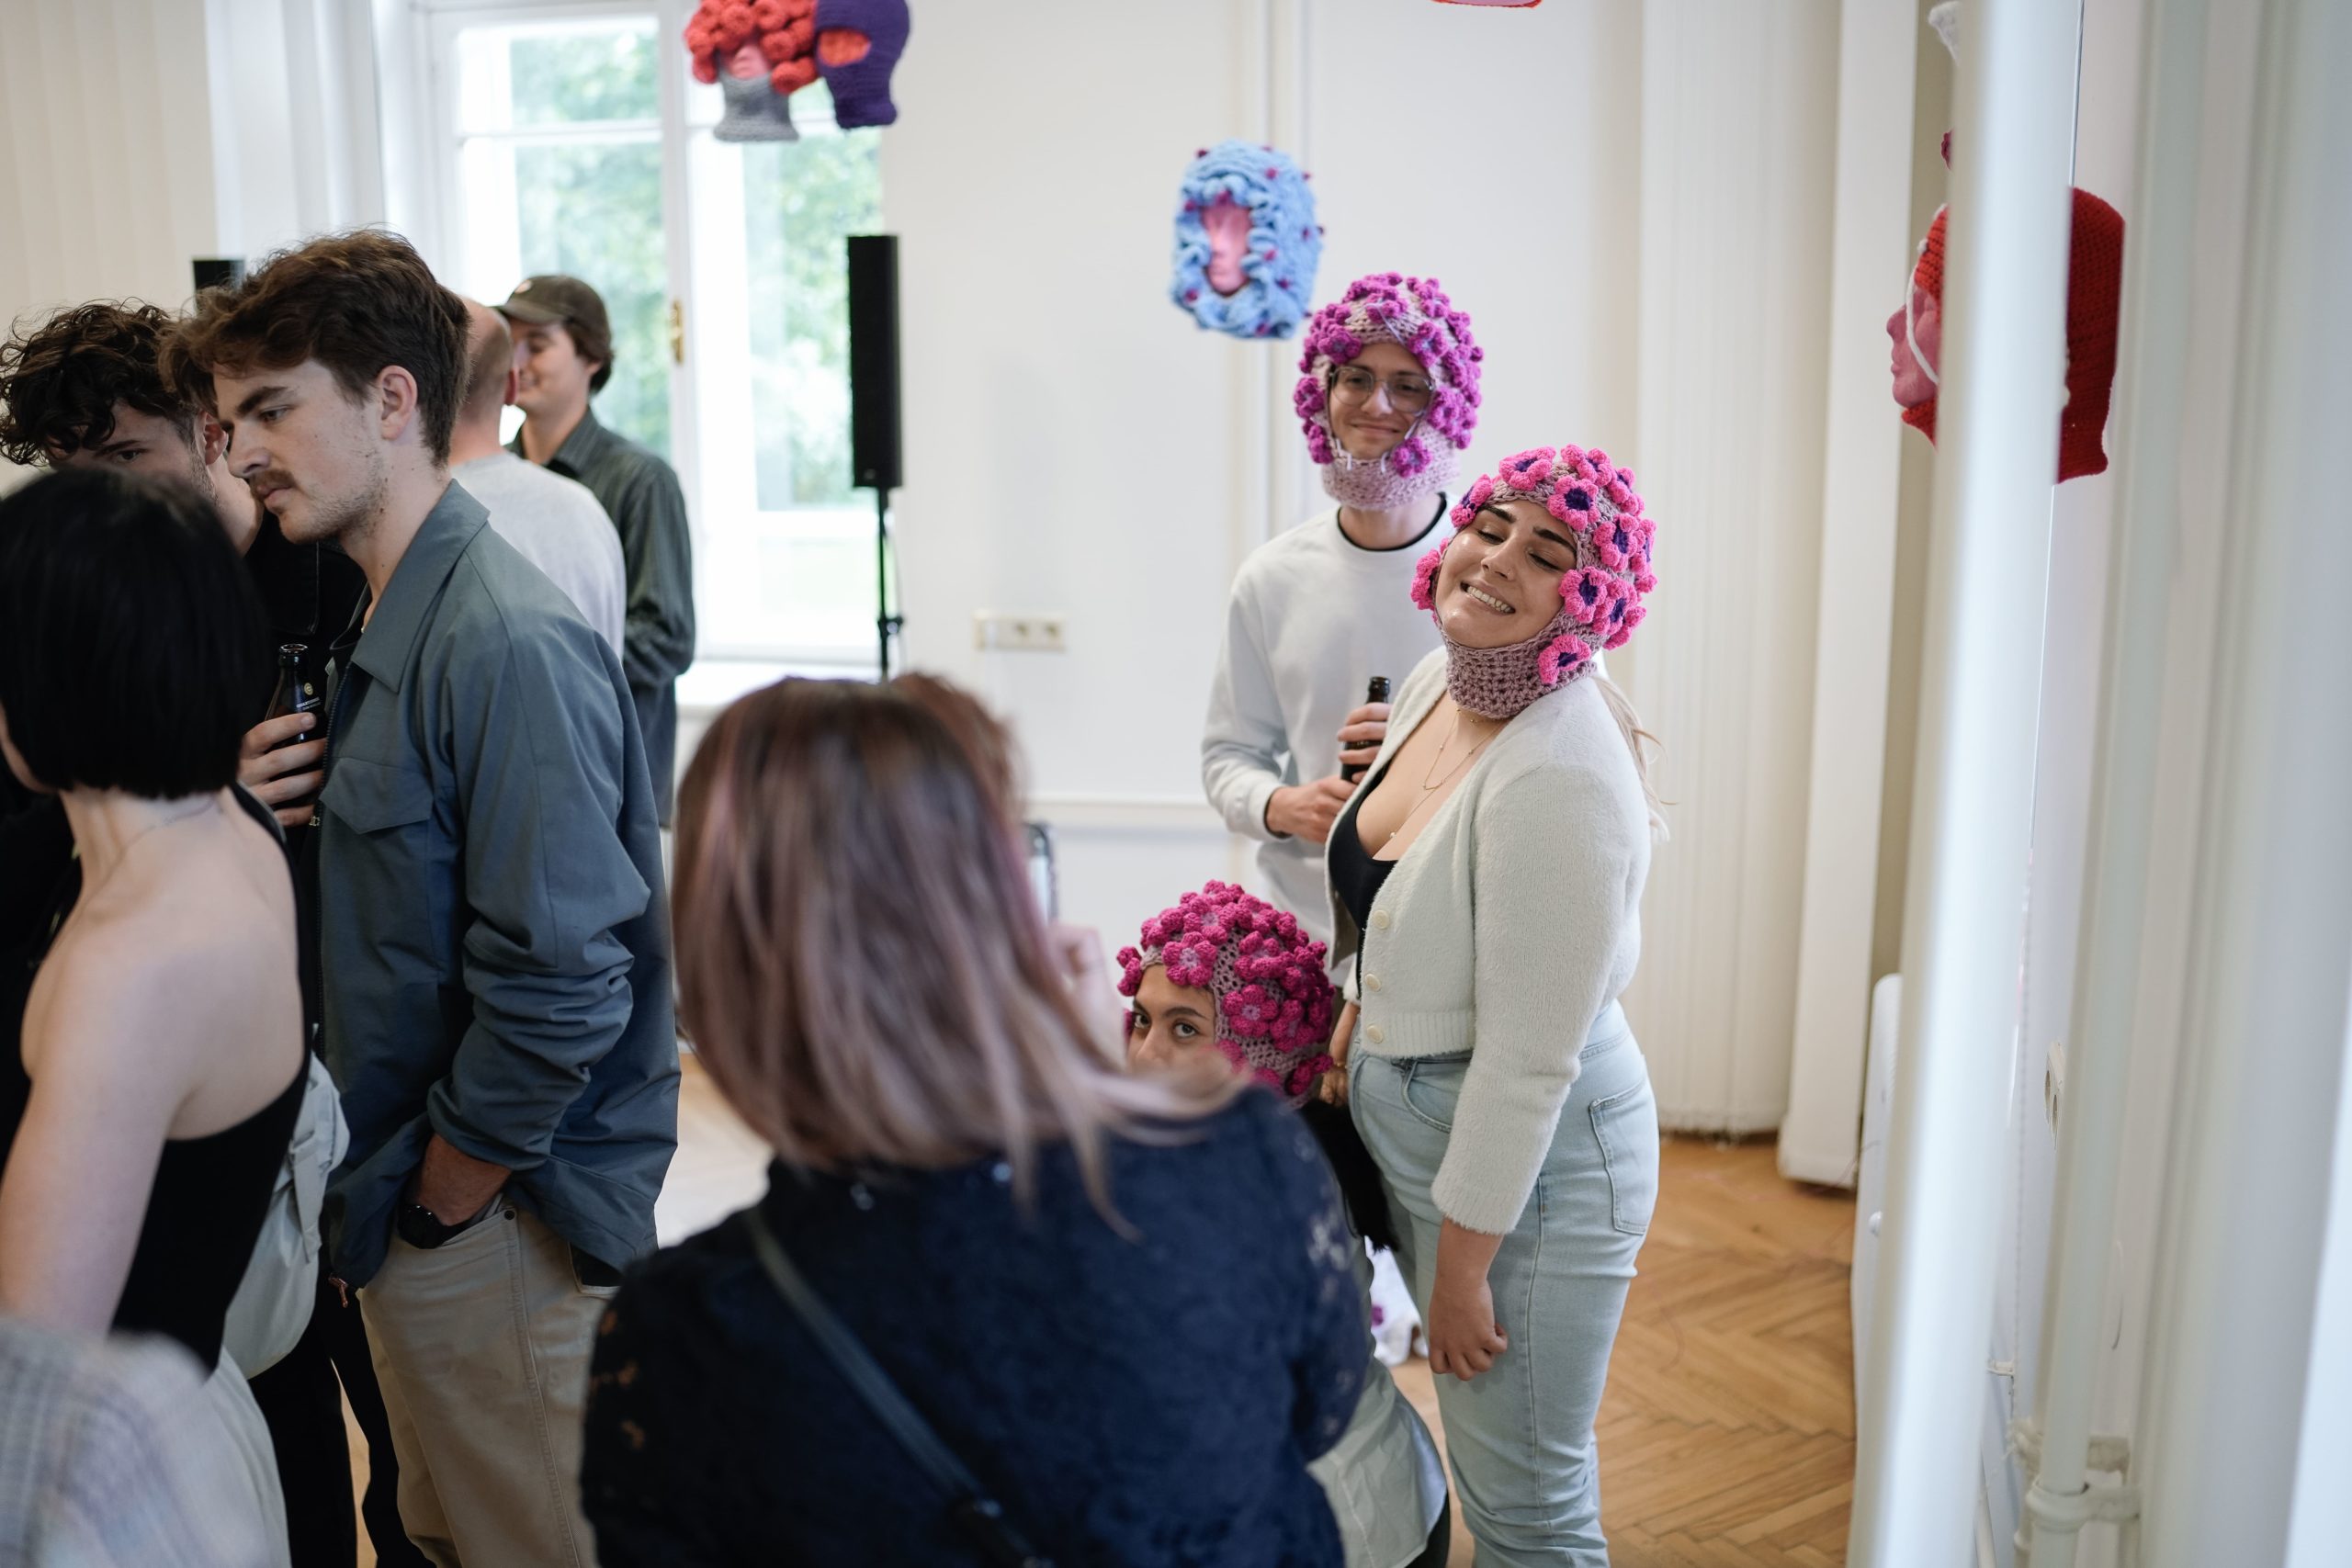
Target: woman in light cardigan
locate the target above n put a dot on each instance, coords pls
(1487, 885)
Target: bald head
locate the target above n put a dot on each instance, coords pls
(490, 370)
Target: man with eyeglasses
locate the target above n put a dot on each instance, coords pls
(1388, 400)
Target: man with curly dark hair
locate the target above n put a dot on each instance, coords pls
(85, 388)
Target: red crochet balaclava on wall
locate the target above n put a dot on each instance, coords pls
(2094, 302)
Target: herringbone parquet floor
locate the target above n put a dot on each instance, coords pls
(1727, 1432)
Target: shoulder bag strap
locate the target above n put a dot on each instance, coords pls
(978, 1515)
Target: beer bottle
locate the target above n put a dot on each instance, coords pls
(298, 686)
(1375, 692)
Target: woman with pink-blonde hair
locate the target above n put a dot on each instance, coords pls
(1003, 1299)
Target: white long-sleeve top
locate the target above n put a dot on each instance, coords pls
(1508, 926)
(1313, 617)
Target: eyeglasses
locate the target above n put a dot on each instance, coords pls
(1353, 385)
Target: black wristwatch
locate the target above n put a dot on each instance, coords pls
(421, 1228)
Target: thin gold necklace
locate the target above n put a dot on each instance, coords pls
(1429, 791)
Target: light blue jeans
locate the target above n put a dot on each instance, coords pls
(1526, 1469)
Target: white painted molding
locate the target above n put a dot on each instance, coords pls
(1870, 250)
(1128, 813)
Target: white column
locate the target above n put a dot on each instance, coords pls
(2257, 1128)
(2152, 386)
(1870, 264)
(1998, 421)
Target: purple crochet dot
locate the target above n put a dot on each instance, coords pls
(1192, 296)
(1579, 499)
(1274, 173)
(1202, 152)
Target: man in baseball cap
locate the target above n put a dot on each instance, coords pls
(564, 356)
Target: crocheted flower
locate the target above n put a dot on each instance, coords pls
(1411, 459)
(1572, 503)
(1526, 470)
(1585, 594)
(1634, 615)
(1561, 657)
(1251, 1011)
(1425, 577)
(1479, 493)
(1614, 539)
(1191, 966)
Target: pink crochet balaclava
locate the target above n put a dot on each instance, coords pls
(1414, 312)
(1273, 1001)
(1600, 595)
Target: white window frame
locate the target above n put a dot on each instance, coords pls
(419, 40)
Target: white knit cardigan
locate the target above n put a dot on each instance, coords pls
(1509, 924)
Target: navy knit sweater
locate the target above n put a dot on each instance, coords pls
(1133, 1400)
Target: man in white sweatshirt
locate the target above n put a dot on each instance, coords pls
(1388, 397)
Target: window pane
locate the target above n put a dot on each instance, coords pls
(557, 73)
(594, 210)
(801, 200)
(785, 559)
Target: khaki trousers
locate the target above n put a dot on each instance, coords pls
(482, 1346)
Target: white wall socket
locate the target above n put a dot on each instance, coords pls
(1018, 634)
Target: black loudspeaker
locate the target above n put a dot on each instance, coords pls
(874, 361)
(218, 272)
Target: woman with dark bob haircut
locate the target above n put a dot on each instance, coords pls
(1123, 1304)
(161, 1065)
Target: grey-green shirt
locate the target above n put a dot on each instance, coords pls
(491, 925)
(641, 493)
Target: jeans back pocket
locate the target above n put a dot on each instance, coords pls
(1625, 1125)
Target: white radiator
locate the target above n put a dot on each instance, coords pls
(1870, 1190)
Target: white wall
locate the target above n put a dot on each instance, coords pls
(105, 175)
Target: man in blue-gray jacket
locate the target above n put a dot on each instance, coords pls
(496, 959)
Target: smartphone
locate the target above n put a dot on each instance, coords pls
(1045, 881)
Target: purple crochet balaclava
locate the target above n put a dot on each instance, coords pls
(1600, 595)
(1415, 313)
(860, 78)
(1274, 1003)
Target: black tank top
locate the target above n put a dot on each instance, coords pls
(211, 1193)
(1356, 876)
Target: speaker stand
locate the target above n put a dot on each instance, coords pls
(885, 625)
